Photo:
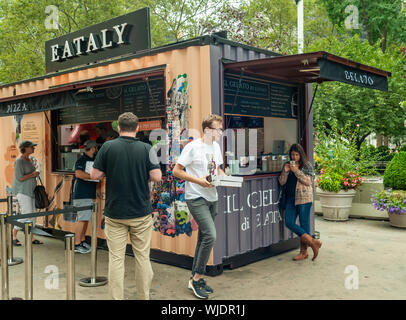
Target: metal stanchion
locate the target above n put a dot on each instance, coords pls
(4, 264)
(11, 260)
(93, 280)
(28, 261)
(70, 266)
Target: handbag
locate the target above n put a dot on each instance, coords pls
(41, 197)
(282, 197)
(70, 216)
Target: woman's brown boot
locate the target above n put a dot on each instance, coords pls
(303, 252)
(312, 243)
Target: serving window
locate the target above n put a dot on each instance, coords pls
(95, 117)
(261, 122)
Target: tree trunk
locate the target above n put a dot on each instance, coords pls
(378, 140)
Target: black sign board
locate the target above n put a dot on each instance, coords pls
(47, 102)
(338, 72)
(145, 98)
(119, 36)
(96, 106)
(256, 97)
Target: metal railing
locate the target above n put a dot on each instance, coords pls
(6, 252)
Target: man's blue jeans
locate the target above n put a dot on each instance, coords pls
(291, 213)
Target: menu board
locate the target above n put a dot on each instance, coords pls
(143, 98)
(96, 106)
(256, 97)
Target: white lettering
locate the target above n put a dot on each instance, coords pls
(78, 45)
(91, 45)
(246, 224)
(120, 32)
(67, 50)
(55, 53)
(104, 39)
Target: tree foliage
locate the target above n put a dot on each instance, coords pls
(23, 31)
(374, 111)
(380, 21)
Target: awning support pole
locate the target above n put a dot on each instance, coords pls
(308, 114)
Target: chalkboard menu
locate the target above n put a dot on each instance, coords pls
(244, 122)
(256, 97)
(143, 98)
(96, 106)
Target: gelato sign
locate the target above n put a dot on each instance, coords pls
(123, 35)
(338, 72)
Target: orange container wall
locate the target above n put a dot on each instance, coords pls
(194, 61)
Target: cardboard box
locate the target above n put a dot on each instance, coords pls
(228, 181)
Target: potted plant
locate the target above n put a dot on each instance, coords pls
(393, 198)
(336, 192)
(342, 167)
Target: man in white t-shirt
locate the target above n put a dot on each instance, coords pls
(202, 159)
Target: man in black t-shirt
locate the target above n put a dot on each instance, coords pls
(84, 194)
(128, 165)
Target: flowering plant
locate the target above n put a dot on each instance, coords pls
(334, 181)
(393, 201)
(351, 180)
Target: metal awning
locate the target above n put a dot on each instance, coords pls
(314, 67)
(64, 96)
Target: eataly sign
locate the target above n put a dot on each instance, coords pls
(85, 45)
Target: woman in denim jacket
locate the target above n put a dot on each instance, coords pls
(298, 177)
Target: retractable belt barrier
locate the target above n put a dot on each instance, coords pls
(6, 250)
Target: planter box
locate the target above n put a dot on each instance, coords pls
(361, 203)
(397, 220)
(336, 206)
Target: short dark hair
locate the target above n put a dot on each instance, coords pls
(208, 121)
(299, 149)
(128, 122)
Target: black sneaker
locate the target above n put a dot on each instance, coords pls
(205, 286)
(80, 249)
(198, 289)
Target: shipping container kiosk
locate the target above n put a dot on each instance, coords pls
(96, 73)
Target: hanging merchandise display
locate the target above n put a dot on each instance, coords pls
(171, 214)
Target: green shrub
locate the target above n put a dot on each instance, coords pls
(330, 181)
(395, 173)
(383, 154)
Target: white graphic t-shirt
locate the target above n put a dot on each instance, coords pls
(199, 158)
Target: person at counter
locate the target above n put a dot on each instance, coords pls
(83, 137)
(111, 135)
(84, 194)
(128, 165)
(202, 159)
(101, 131)
(298, 177)
(24, 183)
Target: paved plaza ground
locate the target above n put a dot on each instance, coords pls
(371, 248)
